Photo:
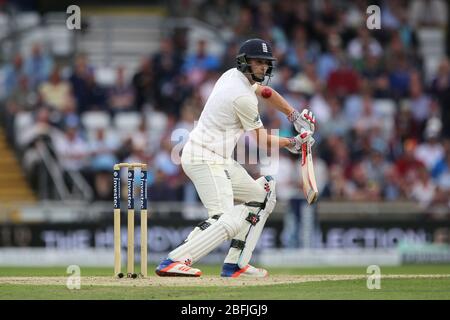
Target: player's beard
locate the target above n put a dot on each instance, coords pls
(258, 77)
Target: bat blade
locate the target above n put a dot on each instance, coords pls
(308, 175)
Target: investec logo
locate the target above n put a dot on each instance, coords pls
(116, 189)
(130, 189)
(143, 185)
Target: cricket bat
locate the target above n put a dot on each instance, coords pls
(309, 178)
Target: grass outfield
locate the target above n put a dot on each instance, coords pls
(405, 282)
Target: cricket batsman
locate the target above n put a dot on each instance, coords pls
(238, 206)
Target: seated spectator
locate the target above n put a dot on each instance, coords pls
(205, 88)
(12, 73)
(73, 150)
(68, 114)
(179, 89)
(144, 84)
(368, 119)
(186, 121)
(391, 13)
(443, 180)
(343, 81)
(381, 89)
(38, 66)
(96, 98)
(372, 67)
(376, 165)
(298, 57)
(166, 63)
(407, 32)
(243, 28)
(360, 187)
(337, 124)
(21, 99)
(103, 185)
(41, 130)
(431, 150)
(121, 95)
(141, 139)
(441, 165)
(338, 187)
(363, 41)
(133, 152)
(391, 185)
(199, 63)
(269, 29)
(423, 189)
(440, 88)
(329, 60)
(102, 150)
(353, 105)
(399, 76)
(420, 103)
(163, 161)
(79, 81)
(306, 81)
(160, 190)
(228, 59)
(405, 127)
(407, 162)
(280, 80)
(395, 46)
(320, 105)
(326, 17)
(56, 91)
(23, 95)
(355, 14)
(441, 174)
(42, 133)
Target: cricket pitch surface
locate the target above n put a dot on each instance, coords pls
(201, 281)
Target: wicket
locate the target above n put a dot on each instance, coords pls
(116, 201)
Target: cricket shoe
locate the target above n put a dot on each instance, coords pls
(169, 268)
(232, 270)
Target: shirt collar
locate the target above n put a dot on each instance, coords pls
(243, 77)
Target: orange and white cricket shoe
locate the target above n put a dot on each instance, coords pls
(232, 270)
(169, 268)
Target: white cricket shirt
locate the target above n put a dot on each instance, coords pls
(231, 108)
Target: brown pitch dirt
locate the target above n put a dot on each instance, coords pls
(201, 281)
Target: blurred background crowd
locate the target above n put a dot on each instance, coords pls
(383, 114)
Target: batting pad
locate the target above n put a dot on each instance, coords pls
(201, 245)
(250, 234)
(204, 242)
(197, 230)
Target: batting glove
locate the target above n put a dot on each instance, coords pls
(305, 120)
(296, 142)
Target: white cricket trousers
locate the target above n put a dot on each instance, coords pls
(220, 185)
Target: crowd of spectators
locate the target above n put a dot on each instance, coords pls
(383, 127)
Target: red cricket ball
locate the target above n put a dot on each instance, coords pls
(266, 93)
